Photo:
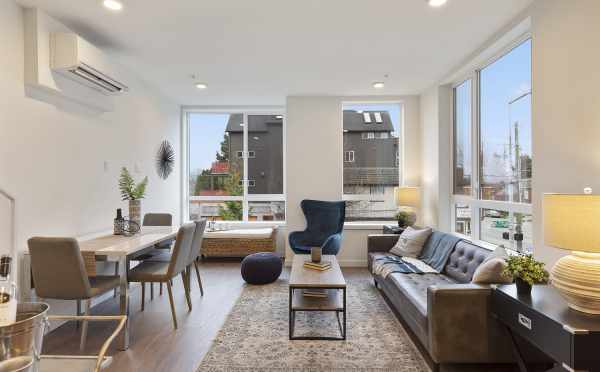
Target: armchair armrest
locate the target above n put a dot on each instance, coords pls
(381, 242)
(461, 329)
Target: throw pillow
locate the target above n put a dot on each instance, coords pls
(490, 272)
(411, 241)
(499, 252)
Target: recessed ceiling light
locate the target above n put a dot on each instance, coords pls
(201, 86)
(378, 85)
(436, 3)
(113, 4)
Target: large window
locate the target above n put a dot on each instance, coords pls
(371, 160)
(492, 191)
(235, 163)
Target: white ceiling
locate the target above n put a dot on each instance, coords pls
(256, 52)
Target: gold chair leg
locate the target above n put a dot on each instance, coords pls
(198, 276)
(84, 327)
(143, 294)
(172, 305)
(187, 290)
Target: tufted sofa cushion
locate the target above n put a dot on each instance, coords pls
(464, 260)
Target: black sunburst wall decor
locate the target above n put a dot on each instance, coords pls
(165, 159)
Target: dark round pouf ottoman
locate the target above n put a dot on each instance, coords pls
(261, 268)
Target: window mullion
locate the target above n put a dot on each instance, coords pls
(245, 172)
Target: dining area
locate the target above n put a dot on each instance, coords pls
(161, 253)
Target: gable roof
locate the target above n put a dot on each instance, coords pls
(354, 121)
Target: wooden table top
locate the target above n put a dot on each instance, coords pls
(119, 245)
(302, 277)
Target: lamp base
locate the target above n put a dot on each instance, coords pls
(577, 279)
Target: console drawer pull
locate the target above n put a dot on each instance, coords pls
(525, 321)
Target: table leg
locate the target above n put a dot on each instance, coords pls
(516, 352)
(345, 312)
(290, 314)
(124, 301)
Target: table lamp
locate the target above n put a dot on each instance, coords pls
(572, 222)
(408, 198)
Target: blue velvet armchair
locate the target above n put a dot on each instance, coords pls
(324, 225)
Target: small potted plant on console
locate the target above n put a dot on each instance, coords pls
(526, 272)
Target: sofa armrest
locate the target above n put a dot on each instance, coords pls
(461, 328)
(381, 242)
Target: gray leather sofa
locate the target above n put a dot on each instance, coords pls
(449, 315)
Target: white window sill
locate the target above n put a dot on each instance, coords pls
(367, 225)
(250, 224)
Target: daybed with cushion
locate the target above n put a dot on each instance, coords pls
(448, 314)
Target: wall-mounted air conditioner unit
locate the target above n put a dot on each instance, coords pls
(75, 58)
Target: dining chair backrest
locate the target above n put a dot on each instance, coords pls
(197, 241)
(58, 269)
(157, 219)
(181, 251)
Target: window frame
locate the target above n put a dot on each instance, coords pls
(246, 197)
(474, 199)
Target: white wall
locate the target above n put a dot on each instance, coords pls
(314, 160)
(52, 159)
(566, 104)
(436, 121)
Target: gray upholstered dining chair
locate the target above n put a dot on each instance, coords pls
(193, 257)
(164, 272)
(155, 219)
(60, 272)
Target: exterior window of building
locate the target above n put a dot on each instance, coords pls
(349, 156)
(367, 117)
(235, 188)
(369, 180)
(378, 118)
(492, 191)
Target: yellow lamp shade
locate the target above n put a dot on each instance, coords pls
(407, 196)
(572, 222)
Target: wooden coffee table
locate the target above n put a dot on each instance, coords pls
(332, 281)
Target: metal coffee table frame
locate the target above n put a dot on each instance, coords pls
(337, 310)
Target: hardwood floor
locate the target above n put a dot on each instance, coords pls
(155, 345)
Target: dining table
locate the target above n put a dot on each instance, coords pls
(120, 248)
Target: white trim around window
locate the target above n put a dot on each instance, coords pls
(246, 198)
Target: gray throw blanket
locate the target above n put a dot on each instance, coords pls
(437, 249)
(388, 264)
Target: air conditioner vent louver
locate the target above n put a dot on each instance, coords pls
(97, 78)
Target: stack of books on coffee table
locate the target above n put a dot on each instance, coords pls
(320, 266)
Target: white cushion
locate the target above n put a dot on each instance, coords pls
(411, 241)
(491, 272)
(263, 233)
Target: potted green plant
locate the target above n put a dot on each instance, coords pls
(526, 272)
(405, 218)
(134, 193)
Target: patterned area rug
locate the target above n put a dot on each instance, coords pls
(255, 335)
